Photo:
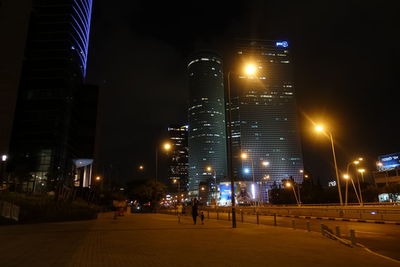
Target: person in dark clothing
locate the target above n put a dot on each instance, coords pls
(202, 217)
(195, 211)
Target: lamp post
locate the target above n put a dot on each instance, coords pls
(288, 185)
(244, 156)
(166, 147)
(3, 169)
(250, 70)
(266, 177)
(320, 128)
(355, 162)
(359, 186)
(215, 189)
(346, 177)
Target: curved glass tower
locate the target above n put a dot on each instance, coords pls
(207, 133)
(49, 106)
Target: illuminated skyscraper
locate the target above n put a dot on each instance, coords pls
(265, 119)
(207, 133)
(51, 107)
(178, 165)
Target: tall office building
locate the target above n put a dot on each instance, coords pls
(51, 111)
(265, 119)
(206, 113)
(178, 164)
(14, 18)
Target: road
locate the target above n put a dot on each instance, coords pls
(381, 238)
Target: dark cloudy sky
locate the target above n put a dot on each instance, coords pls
(345, 56)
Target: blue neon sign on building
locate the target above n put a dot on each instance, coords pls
(282, 44)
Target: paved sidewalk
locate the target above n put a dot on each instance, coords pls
(158, 240)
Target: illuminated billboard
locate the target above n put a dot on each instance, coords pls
(390, 161)
(245, 193)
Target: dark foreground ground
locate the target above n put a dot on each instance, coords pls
(158, 240)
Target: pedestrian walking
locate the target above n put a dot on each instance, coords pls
(202, 217)
(195, 211)
(179, 209)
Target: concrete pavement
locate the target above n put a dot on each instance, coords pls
(158, 240)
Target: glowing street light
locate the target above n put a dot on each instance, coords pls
(290, 185)
(141, 167)
(166, 147)
(320, 128)
(98, 178)
(265, 163)
(250, 71)
(354, 162)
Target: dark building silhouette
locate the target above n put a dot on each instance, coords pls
(264, 116)
(206, 113)
(56, 112)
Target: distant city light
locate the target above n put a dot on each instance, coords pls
(246, 170)
(282, 44)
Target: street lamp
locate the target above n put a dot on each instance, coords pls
(355, 162)
(320, 128)
(244, 156)
(166, 147)
(359, 186)
(3, 169)
(250, 71)
(346, 177)
(290, 185)
(209, 169)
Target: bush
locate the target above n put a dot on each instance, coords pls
(38, 209)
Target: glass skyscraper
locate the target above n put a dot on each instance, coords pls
(53, 103)
(178, 165)
(264, 116)
(206, 113)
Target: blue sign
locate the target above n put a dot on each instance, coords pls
(390, 161)
(282, 44)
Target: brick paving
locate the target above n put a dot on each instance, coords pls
(158, 240)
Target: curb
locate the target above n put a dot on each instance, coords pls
(340, 219)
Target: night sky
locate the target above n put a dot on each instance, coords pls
(344, 56)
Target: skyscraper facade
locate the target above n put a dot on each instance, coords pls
(265, 119)
(178, 164)
(206, 113)
(47, 124)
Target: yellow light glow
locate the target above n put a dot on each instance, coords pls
(380, 164)
(250, 69)
(243, 155)
(360, 159)
(209, 168)
(346, 176)
(266, 177)
(174, 181)
(301, 171)
(306, 176)
(203, 188)
(319, 128)
(356, 162)
(361, 170)
(167, 146)
(288, 184)
(265, 163)
(141, 167)
(98, 178)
